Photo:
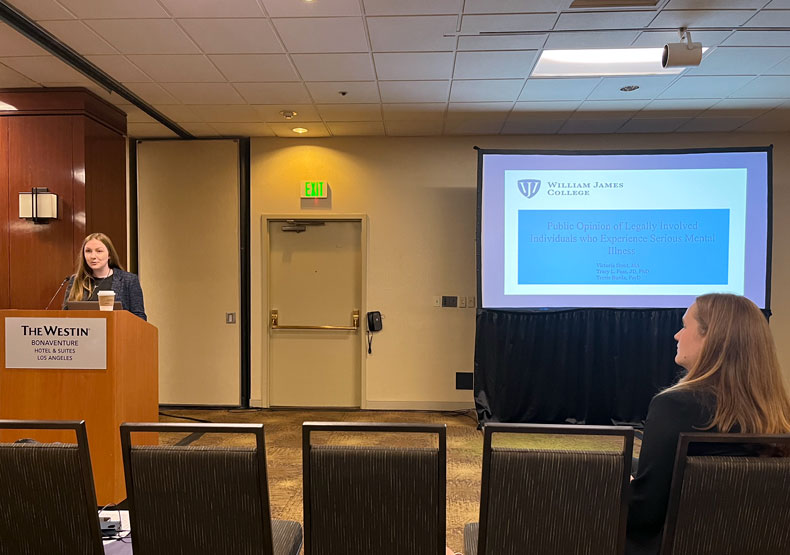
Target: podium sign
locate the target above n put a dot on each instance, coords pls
(63, 343)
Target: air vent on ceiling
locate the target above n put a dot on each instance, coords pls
(587, 4)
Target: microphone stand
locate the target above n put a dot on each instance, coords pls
(62, 283)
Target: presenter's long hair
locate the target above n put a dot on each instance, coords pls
(738, 364)
(82, 288)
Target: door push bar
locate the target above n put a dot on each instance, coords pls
(353, 327)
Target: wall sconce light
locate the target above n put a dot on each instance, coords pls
(38, 205)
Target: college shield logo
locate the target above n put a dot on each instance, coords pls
(529, 187)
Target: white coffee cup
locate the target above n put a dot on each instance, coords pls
(106, 300)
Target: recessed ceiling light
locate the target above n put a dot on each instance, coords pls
(629, 88)
(288, 114)
(602, 61)
(299, 130)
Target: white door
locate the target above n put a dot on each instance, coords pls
(315, 285)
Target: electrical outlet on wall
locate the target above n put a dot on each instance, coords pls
(462, 302)
(470, 301)
(437, 301)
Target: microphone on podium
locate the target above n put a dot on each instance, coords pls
(62, 283)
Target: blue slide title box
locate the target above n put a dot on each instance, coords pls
(639, 247)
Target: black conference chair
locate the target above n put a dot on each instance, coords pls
(47, 496)
(364, 500)
(726, 505)
(551, 501)
(202, 500)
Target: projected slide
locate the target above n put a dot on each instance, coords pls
(642, 230)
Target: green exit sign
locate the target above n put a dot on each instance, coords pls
(315, 189)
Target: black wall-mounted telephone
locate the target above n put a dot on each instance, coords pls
(374, 321)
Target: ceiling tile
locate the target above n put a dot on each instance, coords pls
(686, 107)
(233, 36)
(758, 38)
(558, 89)
(411, 7)
(580, 21)
(414, 91)
(200, 129)
(136, 115)
(494, 65)
(144, 36)
(581, 126)
(79, 37)
(356, 129)
(44, 69)
(766, 86)
(119, 68)
(649, 87)
(486, 90)
(243, 129)
(405, 34)
(714, 124)
(350, 112)
(273, 93)
(324, 34)
(657, 39)
(591, 39)
(179, 113)
(590, 109)
(533, 126)
(10, 78)
(414, 66)
(473, 126)
(178, 68)
(315, 129)
(727, 60)
(334, 67)
(413, 128)
(652, 125)
(778, 5)
(230, 113)
(212, 8)
(152, 93)
(701, 18)
(149, 130)
(42, 10)
(290, 8)
(507, 23)
(204, 93)
(745, 107)
(114, 9)
(782, 68)
(514, 6)
(255, 67)
(771, 18)
(527, 110)
(357, 92)
(427, 111)
(14, 44)
(512, 42)
(704, 87)
(721, 4)
(271, 112)
(479, 110)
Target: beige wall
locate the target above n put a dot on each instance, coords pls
(420, 197)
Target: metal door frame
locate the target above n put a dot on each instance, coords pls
(266, 292)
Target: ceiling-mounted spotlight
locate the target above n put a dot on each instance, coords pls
(682, 54)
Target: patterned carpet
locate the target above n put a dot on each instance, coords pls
(284, 451)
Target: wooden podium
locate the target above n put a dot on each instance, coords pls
(126, 391)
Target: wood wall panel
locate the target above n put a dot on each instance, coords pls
(4, 220)
(105, 184)
(40, 155)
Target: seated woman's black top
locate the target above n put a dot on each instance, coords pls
(671, 413)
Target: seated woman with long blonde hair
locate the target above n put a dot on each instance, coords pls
(733, 384)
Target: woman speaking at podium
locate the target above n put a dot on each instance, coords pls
(99, 269)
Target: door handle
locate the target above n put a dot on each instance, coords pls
(353, 327)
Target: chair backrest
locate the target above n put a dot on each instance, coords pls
(197, 500)
(553, 501)
(47, 496)
(727, 505)
(379, 499)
